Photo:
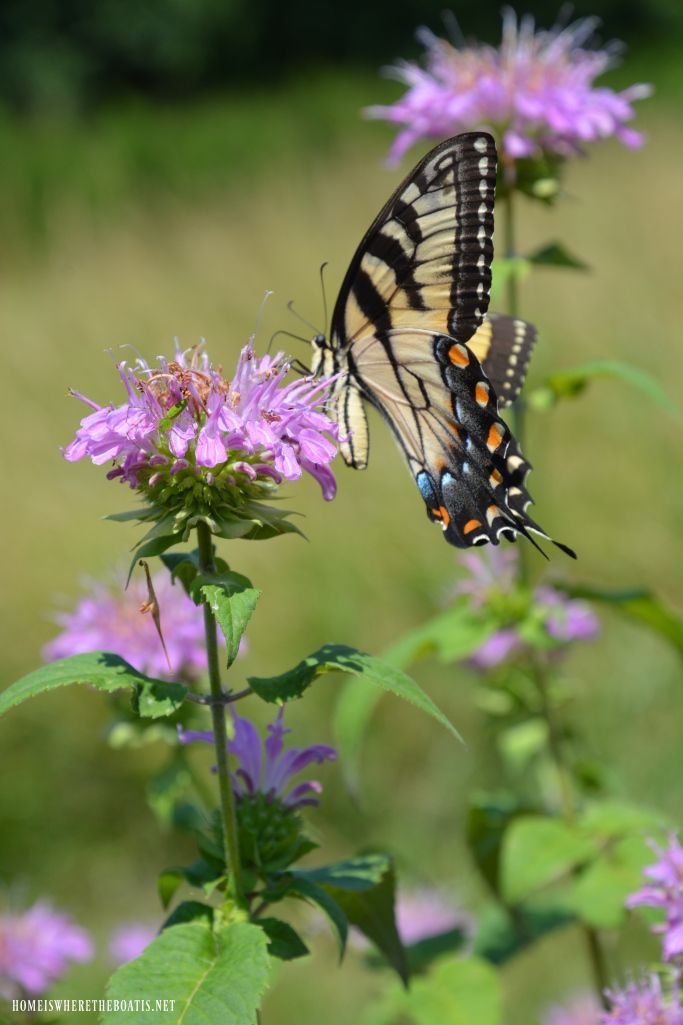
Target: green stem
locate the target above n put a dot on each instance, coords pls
(512, 302)
(596, 954)
(218, 712)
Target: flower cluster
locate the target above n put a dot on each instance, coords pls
(491, 583)
(129, 940)
(195, 443)
(268, 772)
(108, 617)
(535, 91)
(423, 913)
(642, 1003)
(36, 947)
(582, 1009)
(665, 892)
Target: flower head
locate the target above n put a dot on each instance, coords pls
(36, 947)
(129, 940)
(536, 91)
(642, 1003)
(423, 913)
(491, 583)
(583, 1009)
(109, 618)
(194, 443)
(666, 892)
(269, 771)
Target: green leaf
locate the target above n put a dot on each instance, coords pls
(570, 383)
(451, 636)
(350, 722)
(103, 671)
(189, 911)
(355, 874)
(598, 895)
(640, 606)
(232, 603)
(340, 658)
(488, 817)
(608, 820)
(182, 566)
(166, 788)
(170, 880)
(212, 978)
(454, 992)
(555, 254)
(306, 889)
(539, 851)
(284, 942)
(372, 910)
(420, 955)
(501, 935)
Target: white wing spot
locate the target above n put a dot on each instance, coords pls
(481, 235)
(483, 166)
(480, 145)
(482, 211)
(480, 292)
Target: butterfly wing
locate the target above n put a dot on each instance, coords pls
(503, 345)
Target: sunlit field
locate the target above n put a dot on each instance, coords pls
(87, 269)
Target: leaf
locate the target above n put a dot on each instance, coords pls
(170, 880)
(570, 383)
(340, 658)
(422, 953)
(641, 606)
(372, 910)
(555, 254)
(598, 895)
(165, 789)
(451, 636)
(502, 935)
(189, 911)
(284, 942)
(610, 820)
(454, 992)
(232, 604)
(182, 566)
(211, 978)
(350, 722)
(311, 892)
(488, 817)
(355, 874)
(105, 672)
(538, 851)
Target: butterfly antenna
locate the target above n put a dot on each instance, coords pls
(322, 285)
(453, 30)
(266, 296)
(290, 307)
(300, 368)
(289, 334)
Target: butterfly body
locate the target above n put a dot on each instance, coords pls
(409, 336)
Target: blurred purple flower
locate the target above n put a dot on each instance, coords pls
(269, 771)
(582, 1009)
(185, 420)
(109, 618)
(642, 1003)
(536, 92)
(129, 940)
(423, 913)
(666, 892)
(36, 947)
(491, 581)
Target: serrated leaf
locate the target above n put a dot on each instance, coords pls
(555, 254)
(571, 383)
(105, 672)
(372, 910)
(284, 942)
(599, 894)
(640, 606)
(354, 874)
(538, 851)
(340, 658)
(233, 608)
(212, 978)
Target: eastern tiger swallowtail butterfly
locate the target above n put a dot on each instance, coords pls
(409, 334)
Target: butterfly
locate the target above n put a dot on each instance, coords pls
(409, 334)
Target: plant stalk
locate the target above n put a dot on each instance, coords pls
(218, 712)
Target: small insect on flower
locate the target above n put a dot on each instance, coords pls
(36, 947)
(109, 617)
(535, 92)
(195, 444)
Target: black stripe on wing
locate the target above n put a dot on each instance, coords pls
(510, 347)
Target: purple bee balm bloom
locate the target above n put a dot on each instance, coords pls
(567, 619)
(193, 441)
(36, 948)
(496, 649)
(666, 892)
(642, 1003)
(535, 91)
(109, 618)
(128, 941)
(423, 913)
(583, 1009)
(268, 771)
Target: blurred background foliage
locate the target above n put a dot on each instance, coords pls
(163, 165)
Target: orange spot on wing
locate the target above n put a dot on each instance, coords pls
(495, 436)
(442, 515)
(458, 355)
(470, 526)
(481, 394)
(495, 478)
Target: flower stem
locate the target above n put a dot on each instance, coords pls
(218, 711)
(512, 302)
(596, 954)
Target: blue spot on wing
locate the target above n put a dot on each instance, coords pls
(427, 488)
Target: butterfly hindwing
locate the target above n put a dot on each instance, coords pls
(503, 345)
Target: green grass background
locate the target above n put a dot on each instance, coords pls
(147, 224)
